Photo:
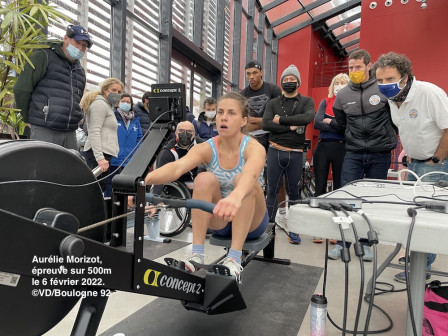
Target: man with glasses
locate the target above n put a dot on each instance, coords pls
(49, 93)
(177, 148)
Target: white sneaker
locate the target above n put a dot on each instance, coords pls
(234, 267)
(197, 258)
(281, 219)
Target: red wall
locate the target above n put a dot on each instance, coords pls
(418, 33)
(421, 34)
(295, 49)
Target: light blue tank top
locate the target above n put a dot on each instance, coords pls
(226, 177)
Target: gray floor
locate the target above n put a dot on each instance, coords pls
(279, 293)
(121, 305)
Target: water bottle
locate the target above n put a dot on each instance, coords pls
(97, 171)
(318, 315)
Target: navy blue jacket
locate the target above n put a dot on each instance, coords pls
(127, 139)
(203, 130)
(145, 120)
(55, 99)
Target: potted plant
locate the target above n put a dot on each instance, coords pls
(21, 25)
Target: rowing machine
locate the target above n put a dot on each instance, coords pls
(44, 270)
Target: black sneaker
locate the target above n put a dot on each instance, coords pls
(402, 260)
(401, 277)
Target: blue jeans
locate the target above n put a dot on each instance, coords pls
(279, 163)
(358, 165)
(421, 167)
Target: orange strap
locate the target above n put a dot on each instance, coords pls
(283, 148)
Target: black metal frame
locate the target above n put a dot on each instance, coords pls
(130, 272)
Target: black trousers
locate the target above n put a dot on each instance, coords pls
(328, 152)
(92, 163)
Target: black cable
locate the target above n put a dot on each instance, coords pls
(438, 198)
(374, 275)
(324, 286)
(339, 191)
(344, 329)
(373, 332)
(96, 181)
(136, 146)
(345, 257)
(386, 315)
(412, 212)
(373, 240)
(359, 251)
(387, 291)
(388, 202)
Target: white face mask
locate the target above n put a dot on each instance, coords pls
(338, 88)
(210, 114)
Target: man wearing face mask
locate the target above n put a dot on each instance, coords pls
(286, 118)
(48, 95)
(177, 148)
(420, 111)
(205, 125)
(363, 113)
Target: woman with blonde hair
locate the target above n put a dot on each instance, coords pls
(330, 148)
(102, 139)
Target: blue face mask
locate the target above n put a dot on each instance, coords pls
(390, 90)
(74, 52)
(125, 107)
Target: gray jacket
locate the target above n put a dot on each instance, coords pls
(102, 126)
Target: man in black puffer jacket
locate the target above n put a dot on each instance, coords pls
(363, 112)
(48, 95)
(141, 110)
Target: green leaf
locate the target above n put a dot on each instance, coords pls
(7, 20)
(12, 65)
(20, 34)
(44, 14)
(34, 10)
(25, 56)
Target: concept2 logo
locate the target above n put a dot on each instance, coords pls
(164, 90)
(155, 279)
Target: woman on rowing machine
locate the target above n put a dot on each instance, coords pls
(234, 164)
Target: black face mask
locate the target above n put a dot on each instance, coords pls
(289, 87)
(184, 139)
